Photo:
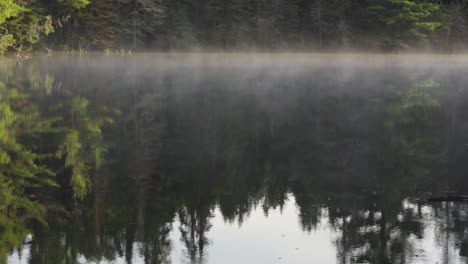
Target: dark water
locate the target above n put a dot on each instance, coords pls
(262, 159)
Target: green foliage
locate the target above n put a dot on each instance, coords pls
(411, 143)
(420, 18)
(9, 8)
(24, 31)
(228, 24)
(26, 170)
(76, 4)
(6, 41)
(406, 20)
(70, 149)
(83, 147)
(12, 232)
(20, 167)
(73, 126)
(23, 25)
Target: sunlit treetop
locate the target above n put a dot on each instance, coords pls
(76, 4)
(22, 25)
(8, 8)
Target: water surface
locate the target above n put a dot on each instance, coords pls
(247, 158)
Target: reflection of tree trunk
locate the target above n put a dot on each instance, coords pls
(129, 239)
(193, 227)
(451, 139)
(141, 204)
(318, 128)
(344, 244)
(447, 233)
(192, 233)
(272, 126)
(383, 239)
(201, 232)
(403, 248)
(98, 187)
(213, 140)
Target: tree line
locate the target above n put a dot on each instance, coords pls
(388, 25)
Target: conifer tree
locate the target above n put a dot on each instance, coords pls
(406, 21)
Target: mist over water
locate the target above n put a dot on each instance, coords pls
(259, 158)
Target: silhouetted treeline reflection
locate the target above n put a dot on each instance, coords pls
(150, 152)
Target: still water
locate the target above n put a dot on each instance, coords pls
(258, 158)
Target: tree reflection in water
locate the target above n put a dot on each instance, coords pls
(351, 147)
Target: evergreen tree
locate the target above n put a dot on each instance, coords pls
(406, 21)
(138, 21)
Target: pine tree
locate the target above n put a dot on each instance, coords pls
(102, 26)
(137, 21)
(178, 31)
(406, 21)
(455, 24)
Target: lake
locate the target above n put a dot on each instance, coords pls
(248, 158)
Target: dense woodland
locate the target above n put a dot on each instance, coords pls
(123, 25)
(181, 137)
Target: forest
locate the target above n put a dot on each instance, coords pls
(199, 25)
(101, 155)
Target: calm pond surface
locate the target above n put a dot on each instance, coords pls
(244, 158)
